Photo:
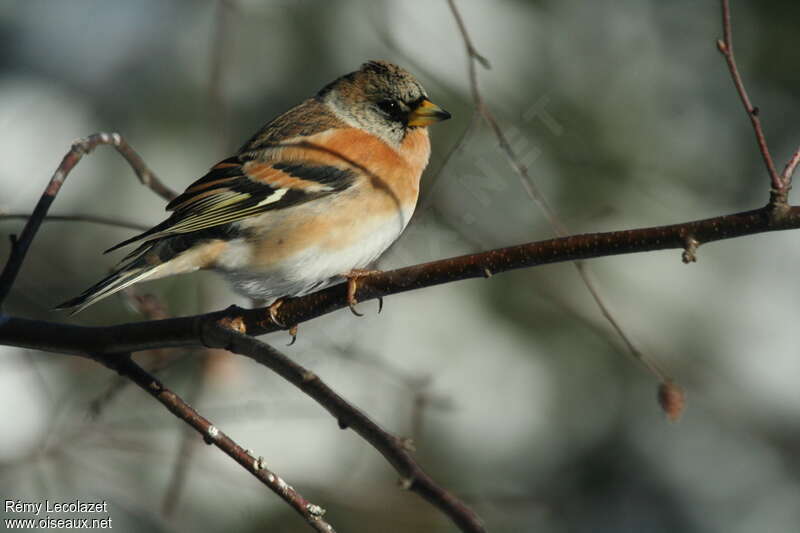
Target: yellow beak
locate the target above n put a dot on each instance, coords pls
(427, 113)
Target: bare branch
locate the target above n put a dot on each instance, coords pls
(79, 148)
(471, 50)
(434, 180)
(146, 176)
(125, 366)
(725, 46)
(637, 354)
(188, 331)
(788, 172)
(418, 385)
(394, 449)
(92, 219)
(535, 194)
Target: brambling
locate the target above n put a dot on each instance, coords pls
(313, 198)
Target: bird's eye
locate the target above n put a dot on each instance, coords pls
(390, 107)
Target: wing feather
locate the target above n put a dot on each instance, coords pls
(241, 187)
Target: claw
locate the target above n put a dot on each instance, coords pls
(273, 313)
(352, 287)
(293, 333)
(380, 304)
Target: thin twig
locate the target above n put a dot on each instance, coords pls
(725, 46)
(788, 172)
(91, 219)
(79, 148)
(637, 354)
(98, 404)
(124, 365)
(535, 194)
(435, 179)
(471, 50)
(418, 385)
(146, 176)
(159, 362)
(393, 448)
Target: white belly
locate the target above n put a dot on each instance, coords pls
(310, 270)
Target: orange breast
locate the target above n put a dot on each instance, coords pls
(380, 203)
(395, 171)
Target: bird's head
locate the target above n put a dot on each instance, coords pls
(382, 99)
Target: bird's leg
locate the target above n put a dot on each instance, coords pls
(352, 286)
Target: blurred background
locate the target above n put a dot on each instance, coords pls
(517, 393)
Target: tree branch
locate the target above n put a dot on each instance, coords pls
(537, 196)
(190, 330)
(92, 219)
(788, 171)
(81, 147)
(725, 46)
(397, 451)
(391, 447)
(125, 366)
(231, 328)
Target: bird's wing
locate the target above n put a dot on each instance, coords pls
(233, 190)
(249, 184)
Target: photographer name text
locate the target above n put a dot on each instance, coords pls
(36, 508)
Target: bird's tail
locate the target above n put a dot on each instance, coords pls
(132, 269)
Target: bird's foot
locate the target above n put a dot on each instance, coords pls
(293, 333)
(273, 313)
(352, 286)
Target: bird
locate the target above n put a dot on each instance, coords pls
(311, 200)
